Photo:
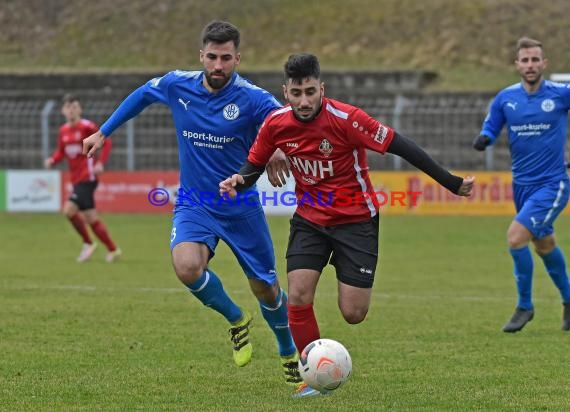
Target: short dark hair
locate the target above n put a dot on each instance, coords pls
(69, 98)
(220, 32)
(527, 43)
(300, 66)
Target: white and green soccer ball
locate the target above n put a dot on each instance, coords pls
(325, 365)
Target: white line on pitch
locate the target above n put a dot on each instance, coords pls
(381, 295)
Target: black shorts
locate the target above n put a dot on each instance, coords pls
(84, 195)
(352, 248)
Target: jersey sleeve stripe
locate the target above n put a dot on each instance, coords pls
(281, 111)
(336, 112)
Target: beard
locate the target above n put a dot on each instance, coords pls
(532, 77)
(534, 80)
(217, 83)
(308, 117)
(305, 119)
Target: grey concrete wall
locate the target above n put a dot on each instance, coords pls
(118, 85)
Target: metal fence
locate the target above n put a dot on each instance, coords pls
(443, 124)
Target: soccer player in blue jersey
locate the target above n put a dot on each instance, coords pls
(536, 114)
(216, 114)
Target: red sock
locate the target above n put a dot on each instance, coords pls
(303, 325)
(79, 225)
(101, 231)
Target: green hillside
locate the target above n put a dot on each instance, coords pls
(469, 44)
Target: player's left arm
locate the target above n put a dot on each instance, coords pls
(277, 167)
(565, 91)
(254, 166)
(376, 136)
(245, 178)
(408, 149)
(565, 94)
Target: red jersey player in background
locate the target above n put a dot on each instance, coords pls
(336, 218)
(80, 207)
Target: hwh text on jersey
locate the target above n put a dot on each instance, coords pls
(316, 168)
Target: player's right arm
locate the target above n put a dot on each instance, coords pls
(149, 93)
(58, 154)
(492, 126)
(278, 169)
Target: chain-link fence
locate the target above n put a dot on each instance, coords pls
(444, 124)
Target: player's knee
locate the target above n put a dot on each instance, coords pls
(69, 212)
(515, 241)
(299, 296)
(188, 270)
(544, 246)
(265, 292)
(518, 236)
(354, 315)
(294, 299)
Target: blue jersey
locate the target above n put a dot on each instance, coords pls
(214, 130)
(536, 124)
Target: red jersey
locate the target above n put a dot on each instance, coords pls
(328, 159)
(70, 146)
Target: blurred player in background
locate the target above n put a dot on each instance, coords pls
(325, 141)
(217, 113)
(80, 207)
(536, 114)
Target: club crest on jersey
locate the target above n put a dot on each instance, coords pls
(231, 111)
(547, 105)
(325, 148)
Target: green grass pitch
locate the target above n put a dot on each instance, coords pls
(127, 336)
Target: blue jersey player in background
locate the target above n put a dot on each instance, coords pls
(217, 113)
(535, 112)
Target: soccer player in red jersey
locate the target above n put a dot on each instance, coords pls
(80, 207)
(336, 218)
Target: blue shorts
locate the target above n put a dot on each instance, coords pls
(246, 235)
(539, 205)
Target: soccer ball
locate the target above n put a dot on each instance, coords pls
(325, 365)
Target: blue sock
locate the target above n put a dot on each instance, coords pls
(523, 276)
(276, 317)
(556, 267)
(210, 291)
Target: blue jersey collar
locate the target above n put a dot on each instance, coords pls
(541, 88)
